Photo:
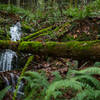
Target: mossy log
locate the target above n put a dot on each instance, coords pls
(7, 44)
(31, 36)
(88, 50)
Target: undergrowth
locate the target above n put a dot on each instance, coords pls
(3, 92)
(52, 15)
(83, 83)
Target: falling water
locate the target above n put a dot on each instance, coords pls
(6, 60)
(6, 80)
(15, 32)
(14, 79)
(7, 56)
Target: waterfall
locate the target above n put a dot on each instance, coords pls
(15, 32)
(14, 79)
(6, 60)
(11, 79)
(6, 57)
(6, 80)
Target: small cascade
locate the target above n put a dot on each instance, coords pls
(6, 80)
(20, 87)
(7, 56)
(14, 79)
(15, 32)
(11, 79)
(6, 60)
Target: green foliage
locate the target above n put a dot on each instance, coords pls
(23, 14)
(13, 9)
(53, 12)
(36, 85)
(92, 9)
(82, 82)
(36, 34)
(77, 13)
(22, 73)
(97, 64)
(3, 92)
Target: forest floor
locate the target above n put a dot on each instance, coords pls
(66, 30)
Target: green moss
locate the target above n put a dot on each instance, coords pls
(72, 45)
(40, 35)
(68, 37)
(84, 45)
(36, 33)
(32, 46)
(51, 45)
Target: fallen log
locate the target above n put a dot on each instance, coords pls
(7, 44)
(36, 34)
(88, 50)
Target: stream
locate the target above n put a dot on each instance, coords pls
(6, 57)
(8, 60)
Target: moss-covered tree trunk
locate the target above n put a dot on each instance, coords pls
(88, 50)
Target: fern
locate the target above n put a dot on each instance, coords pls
(81, 79)
(91, 71)
(88, 94)
(88, 71)
(57, 76)
(3, 92)
(22, 73)
(36, 84)
(89, 79)
(86, 86)
(53, 88)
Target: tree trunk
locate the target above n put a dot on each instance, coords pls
(8, 2)
(88, 50)
(18, 3)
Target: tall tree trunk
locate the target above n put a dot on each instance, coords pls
(18, 3)
(8, 2)
(31, 4)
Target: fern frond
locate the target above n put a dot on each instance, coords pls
(57, 76)
(33, 74)
(88, 80)
(86, 86)
(62, 84)
(84, 94)
(87, 94)
(37, 78)
(36, 85)
(87, 71)
(91, 71)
